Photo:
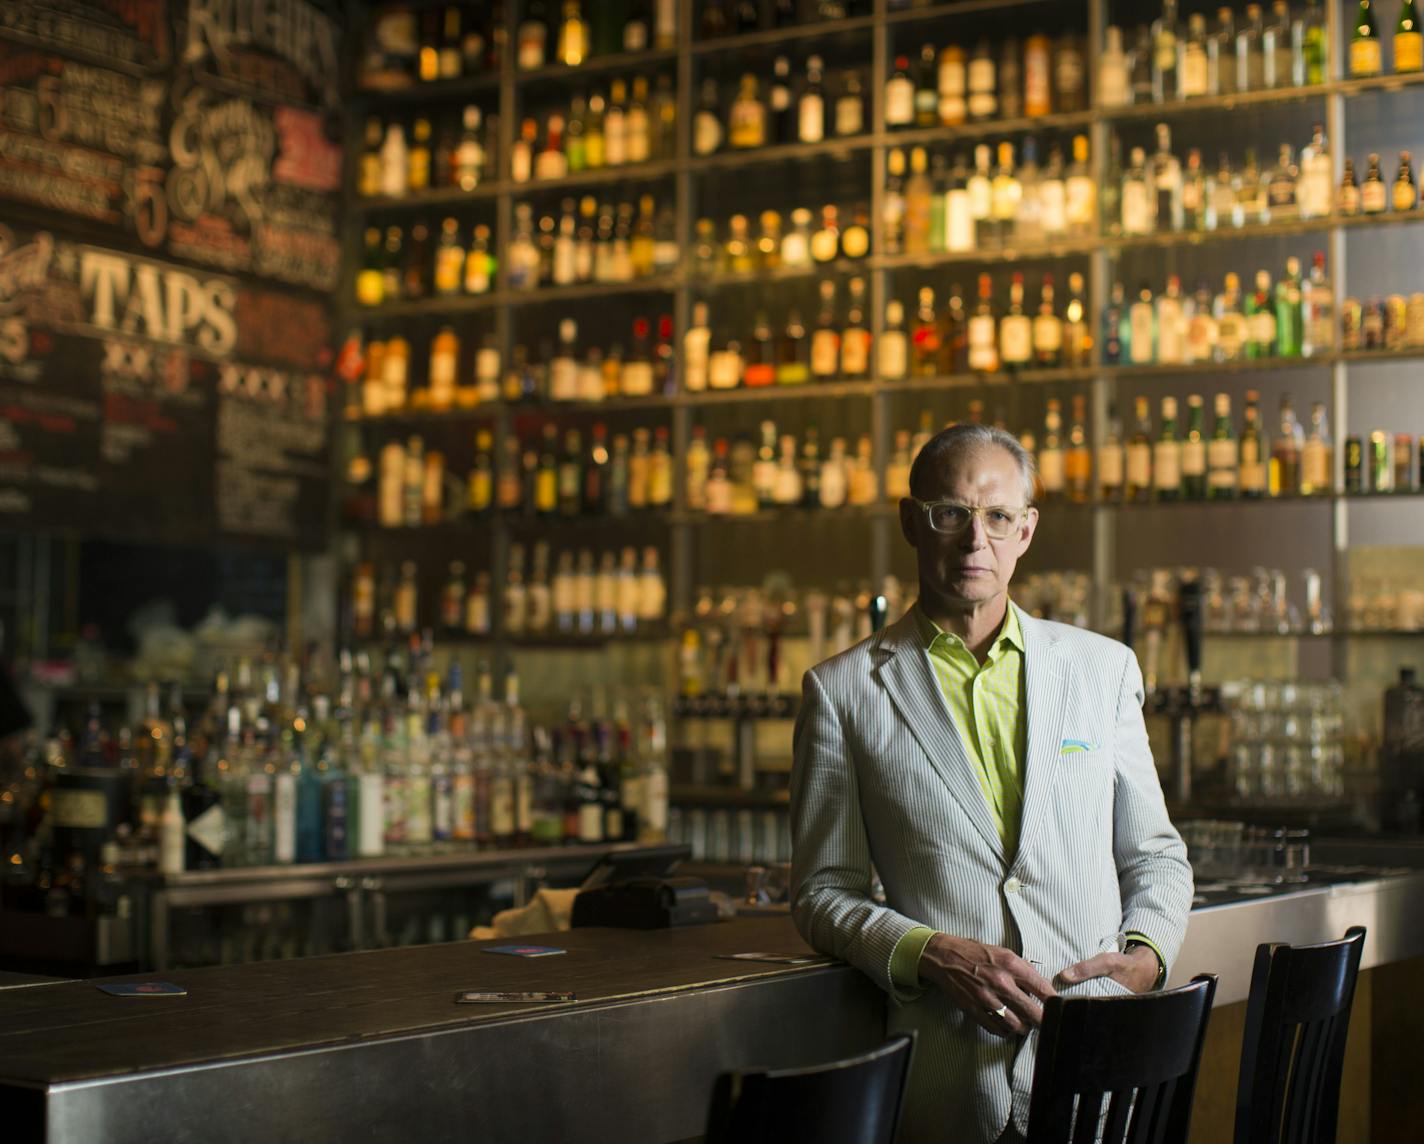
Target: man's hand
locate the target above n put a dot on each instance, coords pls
(1136, 969)
(981, 978)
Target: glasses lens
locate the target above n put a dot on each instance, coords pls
(999, 522)
(949, 517)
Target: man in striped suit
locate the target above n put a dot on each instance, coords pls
(994, 771)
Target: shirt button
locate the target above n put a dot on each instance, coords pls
(1012, 886)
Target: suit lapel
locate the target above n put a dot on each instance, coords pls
(1045, 706)
(905, 672)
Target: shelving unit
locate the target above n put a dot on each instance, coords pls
(875, 36)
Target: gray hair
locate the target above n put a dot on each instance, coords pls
(962, 439)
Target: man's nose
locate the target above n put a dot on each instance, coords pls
(974, 537)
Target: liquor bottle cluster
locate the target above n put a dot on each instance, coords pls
(583, 593)
(786, 352)
(456, 153)
(1390, 323)
(1172, 462)
(1161, 194)
(1367, 47)
(562, 33)
(986, 337)
(387, 602)
(406, 47)
(739, 17)
(631, 124)
(592, 242)
(565, 372)
(839, 233)
(605, 476)
(808, 107)
(1383, 462)
(395, 761)
(1290, 319)
(1256, 50)
(395, 270)
(742, 476)
(385, 384)
(938, 208)
(948, 86)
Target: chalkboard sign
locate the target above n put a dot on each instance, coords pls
(178, 167)
(134, 404)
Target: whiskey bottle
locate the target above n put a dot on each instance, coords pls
(1047, 329)
(1078, 457)
(1193, 452)
(983, 331)
(1167, 456)
(1222, 455)
(1254, 466)
(826, 341)
(1111, 460)
(1138, 454)
(855, 338)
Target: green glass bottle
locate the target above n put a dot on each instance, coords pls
(1223, 460)
(1288, 330)
(1408, 40)
(1365, 57)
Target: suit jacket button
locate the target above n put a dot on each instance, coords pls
(1012, 886)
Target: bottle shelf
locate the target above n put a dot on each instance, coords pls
(1003, 256)
(811, 389)
(641, 518)
(415, 91)
(925, 12)
(657, 284)
(432, 307)
(784, 515)
(492, 410)
(1047, 376)
(447, 197)
(1324, 224)
(1178, 108)
(597, 177)
(772, 37)
(839, 148)
(721, 280)
(1261, 365)
(979, 129)
(594, 65)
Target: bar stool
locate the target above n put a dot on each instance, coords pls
(1297, 1018)
(854, 1101)
(1139, 1052)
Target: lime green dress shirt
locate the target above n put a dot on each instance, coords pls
(986, 702)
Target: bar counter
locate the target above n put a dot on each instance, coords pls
(371, 1044)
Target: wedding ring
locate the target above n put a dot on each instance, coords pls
(1001, 1012)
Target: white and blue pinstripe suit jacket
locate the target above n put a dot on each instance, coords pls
(881, 780)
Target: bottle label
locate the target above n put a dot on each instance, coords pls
(855, 353)
(1365, 57)
(1231, 335)
(811, 119)
(1047, 334)
(1408, 51)
(899, 102)
(983, 350)
(1052, 207)
(502, 820)
(371, 827)
(1193, 458)
(1221, 463)
(1263, 327)
(284, 848)
(1051, 471)
(1110, 462)
(1194, 70)
(825, 353)
(1136, 208)
(1167, 465)
(1139, 466)
(893, 355)
(209, 830)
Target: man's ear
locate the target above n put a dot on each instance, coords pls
(908, 510)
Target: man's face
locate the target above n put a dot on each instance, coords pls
(970, 568)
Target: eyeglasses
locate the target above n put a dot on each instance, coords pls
(1000, 520)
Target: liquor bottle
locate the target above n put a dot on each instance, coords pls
(1195, 73)
(747, 123)
(983, 332)
(1069, 90)
(855, 338)
(850, 106)
(1049, 455)
(1313, 192)
(1408, 41)
(1260, 319)
(893, 356)
(1201, 326)
(1365, 54)
(696, 343)
(1317, 311)
(1221, 54)
(1006, 195)
(1232, 330)
(793, 355)
(1137, 202)
(1277, 48)
(1037, 76)
(980, 188)
(1142, 332)
(1114, 322)
(370, 278)
(811, 108)
(954, 335)
(1222, 456)
(1047, 329)
(781, 110)
(826, 341)
(1140, 75)
(707, 131)
(1284, 477)
(418, 157)
(925, 336)
(1111, 460)
(951, 82)
(1250, 51)
(1166, 82)
(1167, 455)
(1053, 197)
(368, 182)
(1372, 190)
(900, 95)
(1281, 189)
(1166, 183)
(1113, 86)
(1137, 454)
(1404, 195)
(1317, 457)
(925, 79)
(573, 42)
(1288, 311)
(1010, 79)
(1077, 340)
(1253, 465)
(1078, 456)
(1171, 324)
(983, 84)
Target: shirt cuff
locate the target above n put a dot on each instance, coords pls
(905, 958)
(1138, 937)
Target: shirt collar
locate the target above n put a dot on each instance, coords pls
(931, 633)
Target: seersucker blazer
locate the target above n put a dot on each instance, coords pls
(882, 786)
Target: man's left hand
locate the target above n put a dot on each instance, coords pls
(1136, 970)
